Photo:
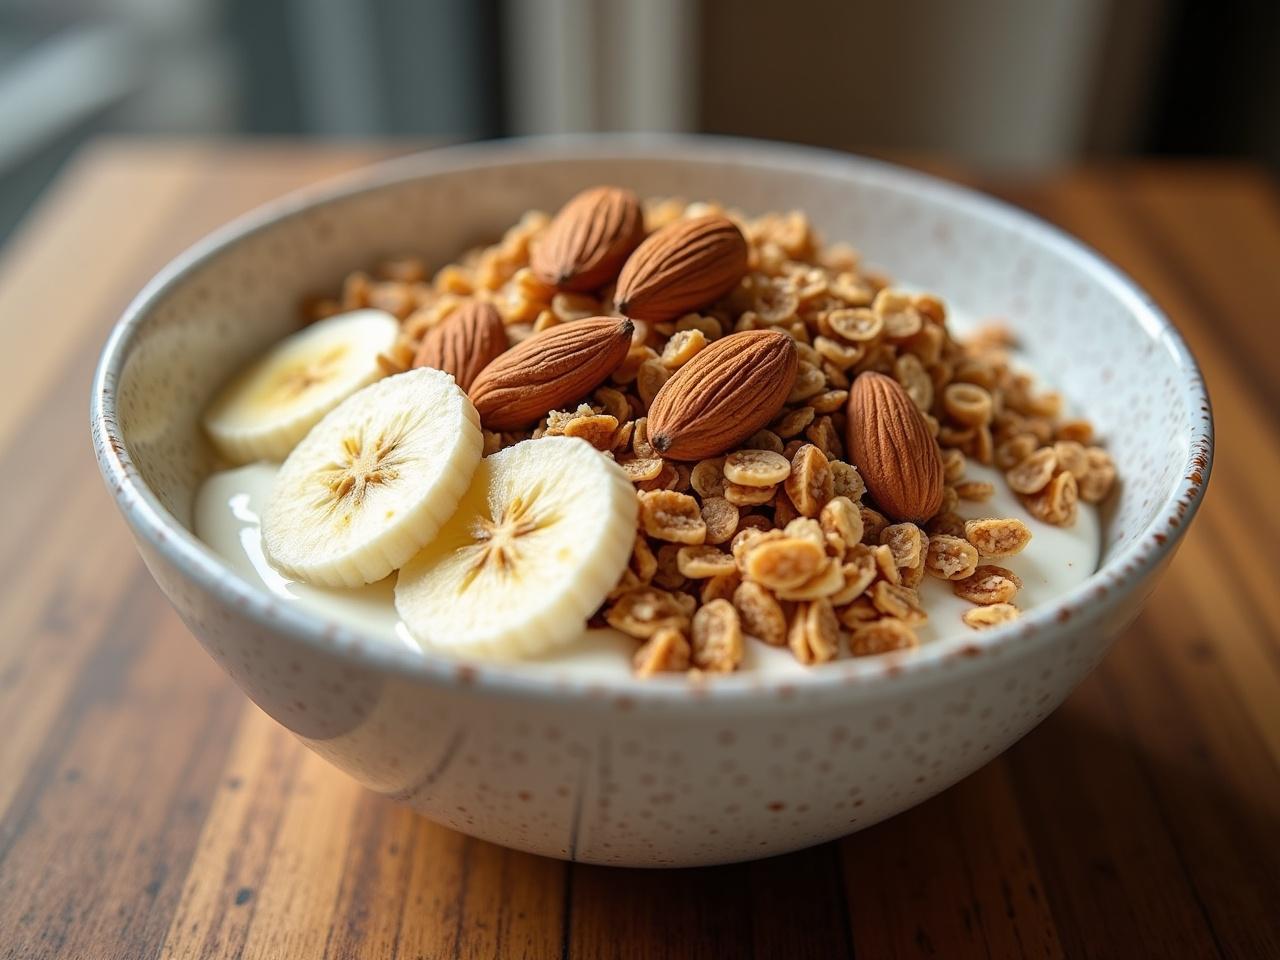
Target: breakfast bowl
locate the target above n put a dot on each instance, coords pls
(596, 765)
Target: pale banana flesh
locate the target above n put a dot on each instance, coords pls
(265, 411)
(538, 540)
(373, 481)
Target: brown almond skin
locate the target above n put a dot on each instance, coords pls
(591, 237)
(682, 267)
(728, 391)
(552, 368)
(890, 444)
(469, 339)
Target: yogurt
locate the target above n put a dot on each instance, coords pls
(230, 502)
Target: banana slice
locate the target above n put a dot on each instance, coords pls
(542, 535)
(373, 481)
(267, 409)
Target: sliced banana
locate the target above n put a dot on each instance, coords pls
(267, 409)
(373, 481)
(542, 535)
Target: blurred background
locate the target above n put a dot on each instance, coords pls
(1016, 86)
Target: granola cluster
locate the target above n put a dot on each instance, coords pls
(776, 541)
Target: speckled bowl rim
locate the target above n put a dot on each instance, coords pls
(1085, 606)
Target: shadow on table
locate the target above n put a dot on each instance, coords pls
(1072, 841)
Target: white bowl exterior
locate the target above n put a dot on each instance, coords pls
(659, 774)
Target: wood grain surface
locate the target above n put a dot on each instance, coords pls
(148, 810)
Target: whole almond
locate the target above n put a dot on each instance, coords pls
(468, 340)
(546, 371)
(729, 390)
(890, 444)
(590, 238)
(685, 265)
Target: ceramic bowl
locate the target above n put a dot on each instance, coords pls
(660, 772)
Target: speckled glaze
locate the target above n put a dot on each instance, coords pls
(663, 772)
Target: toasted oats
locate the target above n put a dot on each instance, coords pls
(709, 327)
(910, 372)
(665, 479)
(841, 522)
(975, 491)
(643, 563)
(900, 602)
(708, 477)
(814, 635)
(1057, 502)
(953, 464)
(846, 481)
(901, 318)
(668, 575)
(982, 618)
(840, 356)
(783, 564)
(823, 435)
(858, 613)
(1081, 431)
(681, 348)
(743, 496)
(644, 611)
(858, 571)
(639, 470)
(686, 601)
(719, 588)
(886, 565)
(672, 516)
(996, 538)
(810, 484)
(492, 442)
(950, 557)
(1015, 450)
(967, 404)
(756, 468)
(828, 581)
(1101, 477)
(612, 402)
(948, 523)
(721, 519)
(988, 584)
(760, 614)
(650, 378)
(856, 325)
(882, 636)
(810, 381)
(829, 401)
(597, 430)
(793, 422)
(905, 541)
(1034, 473)
(702, 562)
(1073, 458)
(666, 651)
(805, 528)
(717, 637)
(873, 523)
(763, 440)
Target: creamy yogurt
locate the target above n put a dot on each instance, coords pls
(230, 502)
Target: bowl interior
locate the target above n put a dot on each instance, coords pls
(1086, 331)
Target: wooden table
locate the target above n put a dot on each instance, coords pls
(147, 809)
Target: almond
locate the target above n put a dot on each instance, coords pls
(729, 390)
(890, 444)
(685, 265)
(468, 340)
(590, 238)
(549, 369)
